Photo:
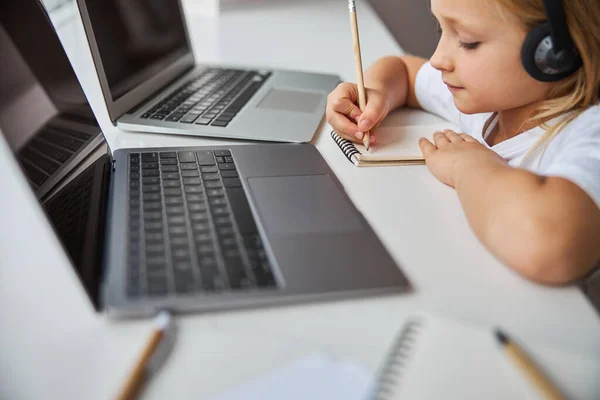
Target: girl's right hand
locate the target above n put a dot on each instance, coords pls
(346, 118)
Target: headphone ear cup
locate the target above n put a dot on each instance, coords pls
(530, 46)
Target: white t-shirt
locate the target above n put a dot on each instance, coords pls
(573, 154)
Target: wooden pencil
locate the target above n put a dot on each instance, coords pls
(138, 375)
(362, 98)
(528, 367)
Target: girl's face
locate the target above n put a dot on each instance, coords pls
(479, 55)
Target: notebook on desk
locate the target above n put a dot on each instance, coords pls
(439, 358)
(396, 145)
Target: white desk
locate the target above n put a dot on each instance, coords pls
(53, 345)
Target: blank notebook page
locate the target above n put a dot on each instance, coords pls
(401, 141)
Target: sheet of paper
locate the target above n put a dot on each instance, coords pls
(315, 377)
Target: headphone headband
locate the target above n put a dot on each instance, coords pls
(561, 38)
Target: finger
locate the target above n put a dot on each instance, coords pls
(427, 148)
(372, 114)
(343, 100)
(440, 140)
(351, 138)
(468, 138)
(452, 136)
(345, 106)
(341, 124)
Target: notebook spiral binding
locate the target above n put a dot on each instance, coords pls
(345, 145)
(396, 361)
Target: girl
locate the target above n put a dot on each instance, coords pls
(526, 167)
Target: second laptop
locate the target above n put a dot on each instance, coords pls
(151, 82)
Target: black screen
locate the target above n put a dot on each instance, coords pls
(136, 39)
(37, 82)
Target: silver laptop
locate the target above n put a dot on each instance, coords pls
(151, 82)
(196, 229)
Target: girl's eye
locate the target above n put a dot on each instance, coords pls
(469, 46)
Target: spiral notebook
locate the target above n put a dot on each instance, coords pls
(398, 145)
(439, 358)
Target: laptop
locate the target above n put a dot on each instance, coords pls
(196, 228)
(151, 82)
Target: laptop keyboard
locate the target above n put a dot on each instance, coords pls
(212, 98)
(190, 225)
(51, 148)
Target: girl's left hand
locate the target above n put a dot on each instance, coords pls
(451, 152)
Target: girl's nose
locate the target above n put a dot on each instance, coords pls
(441, 59)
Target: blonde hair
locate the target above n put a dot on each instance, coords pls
(579, 91)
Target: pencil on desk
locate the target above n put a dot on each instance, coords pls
(362, 98)
(525, 364)
(138, 374)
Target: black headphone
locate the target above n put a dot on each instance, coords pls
(548, 53)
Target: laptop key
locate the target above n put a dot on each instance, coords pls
(229, 174)
(226, 166)
(176, 220)
(175, 210)
(171, 184)
(187, 157)
(232, 182)
(174, 200)
(149, 157)
(188, 166)
(190, 118)
(209, 168)
(213, 184)
(195, 198)
(205, 157)
(203, 121)
(191, 181)
(211, 176)
(172, 192)
(170, 176)
(148, 180)
(168, 154)
(190, 173)
(150, 188)
(222, 153)
(214, 192)
(193, 189)
(217, 201)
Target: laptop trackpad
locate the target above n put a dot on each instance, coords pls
(291, 100)
(303, 204)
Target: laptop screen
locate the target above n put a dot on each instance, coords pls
(37, 82)
(136, 39)
(39, 96)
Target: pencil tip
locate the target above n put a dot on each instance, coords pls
(502, 338)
